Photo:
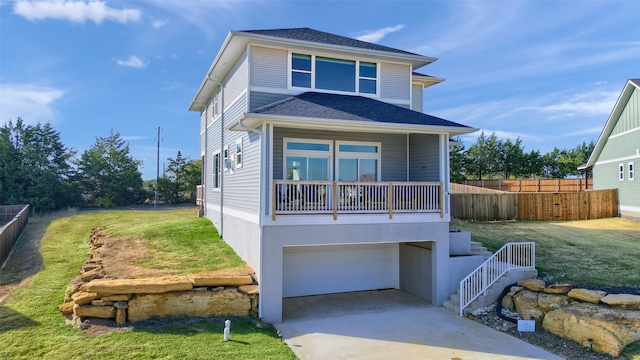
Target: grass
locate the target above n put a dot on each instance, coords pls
(31, 327)
(593, 253)
(590, 253)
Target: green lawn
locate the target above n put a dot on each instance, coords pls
(31, 327)
(601, 252)
(595, 253)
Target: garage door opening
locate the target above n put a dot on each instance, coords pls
(338, 274)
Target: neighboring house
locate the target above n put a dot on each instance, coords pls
(617, 153)
(320, 169)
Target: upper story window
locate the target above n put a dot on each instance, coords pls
(631, 171)
(325, 73)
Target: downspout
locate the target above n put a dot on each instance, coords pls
(249, 128)
(221, 151)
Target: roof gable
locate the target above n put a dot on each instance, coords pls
(355, 108)
(631, 85)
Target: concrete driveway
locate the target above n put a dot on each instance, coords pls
(391, 324)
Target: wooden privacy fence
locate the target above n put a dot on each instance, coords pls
(536, 206)
(484, 207)
(534, 185)
(15, 217)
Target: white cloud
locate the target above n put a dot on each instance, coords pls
(159, 23)
(31, 102)
(74, 11)
(377, 35)
(133, 61)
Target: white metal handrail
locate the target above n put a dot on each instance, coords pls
(520, 255)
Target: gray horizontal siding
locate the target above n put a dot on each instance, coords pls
(395, 81)
(213, 145)
(268, 67)
(394, 149)
(242, 185)
(424, 157)
(236, 81)
(416, 98)
(234, 112)
(259, 99)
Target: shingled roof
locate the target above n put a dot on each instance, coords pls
(348, 107)
(311, 35)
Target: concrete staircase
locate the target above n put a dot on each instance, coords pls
(493, 292)
(479, 250)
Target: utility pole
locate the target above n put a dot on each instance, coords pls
(157, 198)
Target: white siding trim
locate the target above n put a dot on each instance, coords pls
(630, 208)
(637, 156)
(254, 218)
(624, 133)
(226, 109)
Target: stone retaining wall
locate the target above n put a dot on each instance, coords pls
(605, 322)
(174, 296)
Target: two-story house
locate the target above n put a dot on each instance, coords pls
(321, 170)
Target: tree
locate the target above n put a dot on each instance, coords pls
(481, 156)
(457, 162)
(108, 175)
(178, 183)
(512, 159)
(35, 167)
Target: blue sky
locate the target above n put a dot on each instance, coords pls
(549, 72)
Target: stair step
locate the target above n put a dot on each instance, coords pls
(455, 298)
(451, 306)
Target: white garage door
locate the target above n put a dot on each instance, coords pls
(312, 270)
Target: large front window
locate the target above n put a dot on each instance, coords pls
(333, 74)
(358, 161)
(307, 159)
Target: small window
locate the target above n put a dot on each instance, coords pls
(301, 70)
(216, 171)
(225, 159)
(239, 153)
(631, 171)
(368, 75)
(621, 172)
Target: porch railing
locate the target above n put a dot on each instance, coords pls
(334, 197)
(520, 255)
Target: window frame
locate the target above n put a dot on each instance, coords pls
(631, 170)
(217, 170)
(225, 159)
(239, 153)
(308, 154)
(621, 172)
(359, 155)
(313, 87)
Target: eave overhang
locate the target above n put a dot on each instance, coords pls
(256, 120)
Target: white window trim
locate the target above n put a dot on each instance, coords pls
(239, 163)
(307, 153)
(217, 153)
(621, 172)
(333, 56)
(632, 170)
(225, 159)
(359, 155)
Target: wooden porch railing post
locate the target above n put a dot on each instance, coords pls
(441, 200)
(390, 200)
(273, 201)
(335, 200)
